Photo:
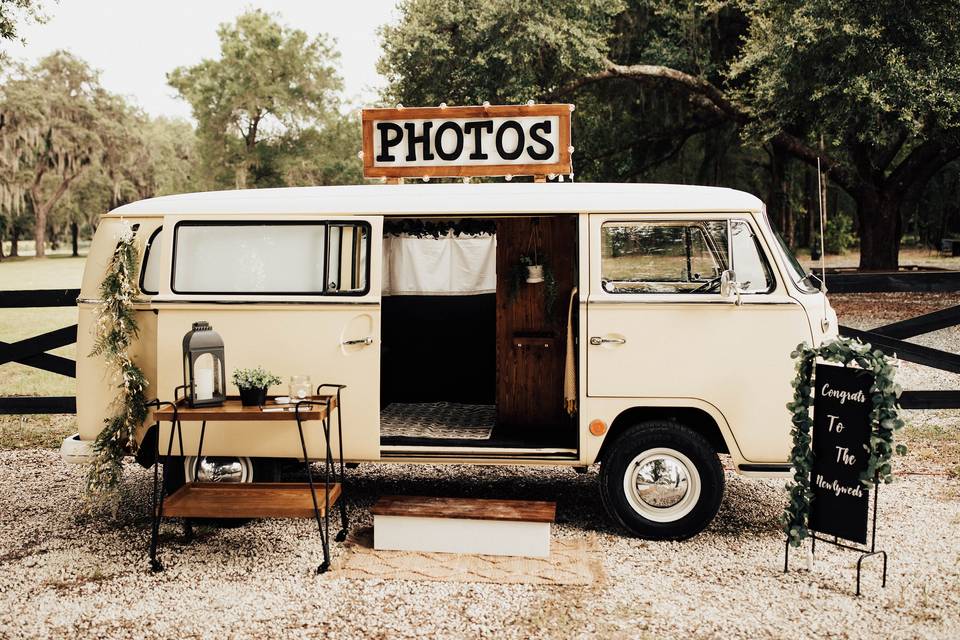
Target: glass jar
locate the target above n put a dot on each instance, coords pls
(300, 388)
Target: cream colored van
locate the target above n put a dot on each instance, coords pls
(656, 336)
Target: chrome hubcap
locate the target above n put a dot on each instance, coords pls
(661, 481)
(662, 484)
(218, 469)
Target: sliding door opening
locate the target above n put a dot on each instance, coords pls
(474, 348)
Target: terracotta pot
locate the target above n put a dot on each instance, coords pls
(253, 397)
(534, 273)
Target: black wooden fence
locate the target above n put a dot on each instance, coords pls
(889, 338)
(932, 281)
(33, 351)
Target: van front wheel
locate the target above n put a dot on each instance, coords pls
(662, 481)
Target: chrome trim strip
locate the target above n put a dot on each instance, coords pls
(369, 303)
(746, 302)
(485, 451)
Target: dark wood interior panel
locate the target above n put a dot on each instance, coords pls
(531, 343)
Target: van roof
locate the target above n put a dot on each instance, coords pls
(450, 199)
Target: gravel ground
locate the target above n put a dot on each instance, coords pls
(62, 574)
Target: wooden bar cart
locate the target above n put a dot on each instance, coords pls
(257, 499)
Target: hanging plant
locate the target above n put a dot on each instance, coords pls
(520, 273)
(533, 268)
(115, 330)
(884, 421)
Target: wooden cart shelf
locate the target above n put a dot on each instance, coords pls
(311, 499)
(233, 410)
(258, 500)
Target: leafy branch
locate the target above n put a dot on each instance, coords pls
(115, 330)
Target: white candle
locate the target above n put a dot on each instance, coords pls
(204, 384)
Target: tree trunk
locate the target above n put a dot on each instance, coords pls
(75, 239)
(40, 230)
(777, 196)
(810, 203)
(880, 230)
(14, 242)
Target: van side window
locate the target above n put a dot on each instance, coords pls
(271, 258)
(753, 271)
(347, 267)
(150, 274)
(662, 257)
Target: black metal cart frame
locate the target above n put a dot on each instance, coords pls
(329, 469)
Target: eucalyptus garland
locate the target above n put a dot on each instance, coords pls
(884, 420)
(115, 330)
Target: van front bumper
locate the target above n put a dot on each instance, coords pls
(73, 450)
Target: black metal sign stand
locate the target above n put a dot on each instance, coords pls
(863, 551)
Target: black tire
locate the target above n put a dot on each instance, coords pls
(694, 511)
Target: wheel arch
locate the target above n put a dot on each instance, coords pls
(694, 418)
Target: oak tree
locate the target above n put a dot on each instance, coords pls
(878, 82)
(269, 81)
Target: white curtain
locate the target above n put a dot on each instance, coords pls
(450, 265)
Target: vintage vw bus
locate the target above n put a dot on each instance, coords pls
(659, 338)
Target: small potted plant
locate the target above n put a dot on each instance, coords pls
(534, 269)
(253, 385)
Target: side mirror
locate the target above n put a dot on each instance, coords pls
(729, 287)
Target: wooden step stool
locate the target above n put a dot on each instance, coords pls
(463, 525)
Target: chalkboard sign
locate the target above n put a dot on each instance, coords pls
(841, 434)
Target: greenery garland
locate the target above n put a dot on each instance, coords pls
(419, 228)
(115, 330)
(884, 420)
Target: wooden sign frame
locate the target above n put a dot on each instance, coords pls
(563, 165)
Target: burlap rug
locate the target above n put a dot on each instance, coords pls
(571, 562)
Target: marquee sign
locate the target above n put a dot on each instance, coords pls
(404, 142)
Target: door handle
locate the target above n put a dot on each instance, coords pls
(597, 341)
(364, 341)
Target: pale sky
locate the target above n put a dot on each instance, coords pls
(134, 43)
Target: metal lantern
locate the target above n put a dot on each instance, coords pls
(204, 373)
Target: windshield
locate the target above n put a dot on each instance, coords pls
(808, 283)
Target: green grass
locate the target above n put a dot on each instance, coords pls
(28, 432)
(17, 324)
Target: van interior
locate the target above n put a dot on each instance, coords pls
(473, 355)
